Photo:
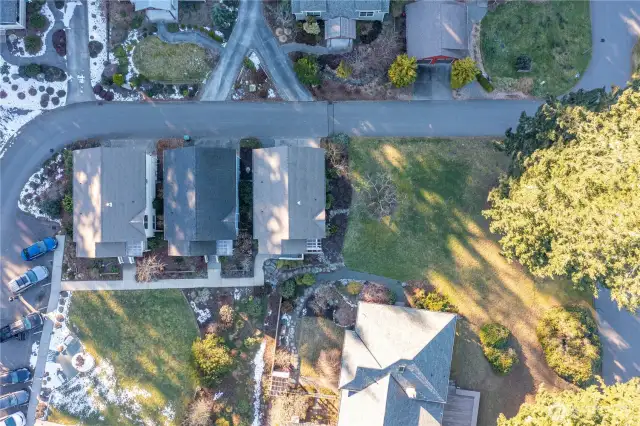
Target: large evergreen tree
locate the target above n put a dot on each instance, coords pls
(617, 405)
(570, 205)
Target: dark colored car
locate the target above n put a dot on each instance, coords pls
(14, 399)
(20, 375)
(19, 328)
(40, 248)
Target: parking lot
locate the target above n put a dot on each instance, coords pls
(16, 353)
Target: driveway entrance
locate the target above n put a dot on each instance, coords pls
(433, 83)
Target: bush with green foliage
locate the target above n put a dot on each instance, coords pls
(523, 63)
(311, 26)
(495, 346)
(569, 204)
(432, 301)
(37, 21)
(67, 203)
(305, 279)
(354, 288)
(616, 405)
(288, 289)
(344, 70)
(288, 264)
(251, 342)
(463, 72)
(569, 339)
(341, 138)
(221, 421)
(137, 21)
(173, 27)
(252, 143)
(118, 79)
(248, 64)
(212, 358)
(253, 307)
(95, 47)
(32, 44)
(222, 16)
(403, 71)
(307, 70)
(52, 208)
(484, 82)
(31, 70)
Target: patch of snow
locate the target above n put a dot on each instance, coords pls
(53, 376)
(43, 35)
(217, 396)
(271, 93)
(22, 85)
(36, 186)
(168, 413)
(202, 314)
(253, 57)
(34, 355)
(258, 361)
(11, 121)
(97, 32)
(67, 12)
(219, 33)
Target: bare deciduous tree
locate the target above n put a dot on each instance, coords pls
(336, 155)
(199, 413)
(358, 62)
(385, 48)
(329, 364)
(148, 269)
(379, 195)
(244, 243)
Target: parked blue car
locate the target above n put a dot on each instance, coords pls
(40, 248)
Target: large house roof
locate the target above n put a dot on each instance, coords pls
(109, 188)
(339, 8)
(288, 198)
(395, 352)
(9, 10)
(436, 28)
(200, 187)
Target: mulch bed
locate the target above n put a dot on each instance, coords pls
(83, 269)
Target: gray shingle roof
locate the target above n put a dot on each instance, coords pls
(109, 199)
(392, 350)
(436, 28)
(9, 10)
(338, 8)
(155, 4)
(288, 197)
(340, 28)
(200, 199)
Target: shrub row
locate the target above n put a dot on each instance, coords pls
(51, 73)
(495, 346)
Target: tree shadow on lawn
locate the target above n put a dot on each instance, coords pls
(146, 336)
(437, 234)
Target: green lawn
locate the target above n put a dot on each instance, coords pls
(172, 63)
(437, 234)
(555, 34)
(147, 337)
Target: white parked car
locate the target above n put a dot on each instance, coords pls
(16, 419)
(26, 280)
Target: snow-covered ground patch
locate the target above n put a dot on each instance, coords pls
(258, 362)
(36, 186)
(34, 355)
(21, 51)
(11, 121)
(69, 8)
(253, 57)
(202, 314)
(271, 93)
(97, 32)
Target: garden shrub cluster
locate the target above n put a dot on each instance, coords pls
(463, 72)
(288, 287)
(59, 40)
(495, 345)
(95, 47)
(307, 70)
(403, 71)
(212, 358)
(431, 301)
(32, 44)
(569, 338)
(50, 73)
(123, 60)
(354, 288)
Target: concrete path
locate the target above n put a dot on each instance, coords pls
(620, 337)
(615, 26)
(349, 274)
(47, 330)
(195, 37)
(79, 85)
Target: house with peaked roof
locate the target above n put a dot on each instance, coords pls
(395, 370)
(364, 10)
(12, 15)
(159, 10)
(200, 200)
(113, 192)
(436, 30)
(289, 200)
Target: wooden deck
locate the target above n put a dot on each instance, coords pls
(461, 408)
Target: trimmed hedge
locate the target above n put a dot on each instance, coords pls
(485, 83)
(569, 338)
(495, 346)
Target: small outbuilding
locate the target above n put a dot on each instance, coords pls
(340, 32)
(436, 30)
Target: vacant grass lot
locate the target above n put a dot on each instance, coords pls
(437, 234)
(555, 34)
(172, 63)
(320, 350)
(147, 337)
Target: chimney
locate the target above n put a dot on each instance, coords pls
(411, 392)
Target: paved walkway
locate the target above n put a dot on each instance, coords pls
(47, 329)
(195, 37)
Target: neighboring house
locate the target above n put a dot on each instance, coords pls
(12, 15)
(200, 201)
(436, 30)
(113, 192)
(395, 370)
(159, 10)
(365, 10)
(288, 200)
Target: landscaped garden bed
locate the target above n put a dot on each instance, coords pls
(431, 229)
(84, 269)
(32, 41)
(253, 83)
(554, 36)
(168, 267)
(143, 372)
